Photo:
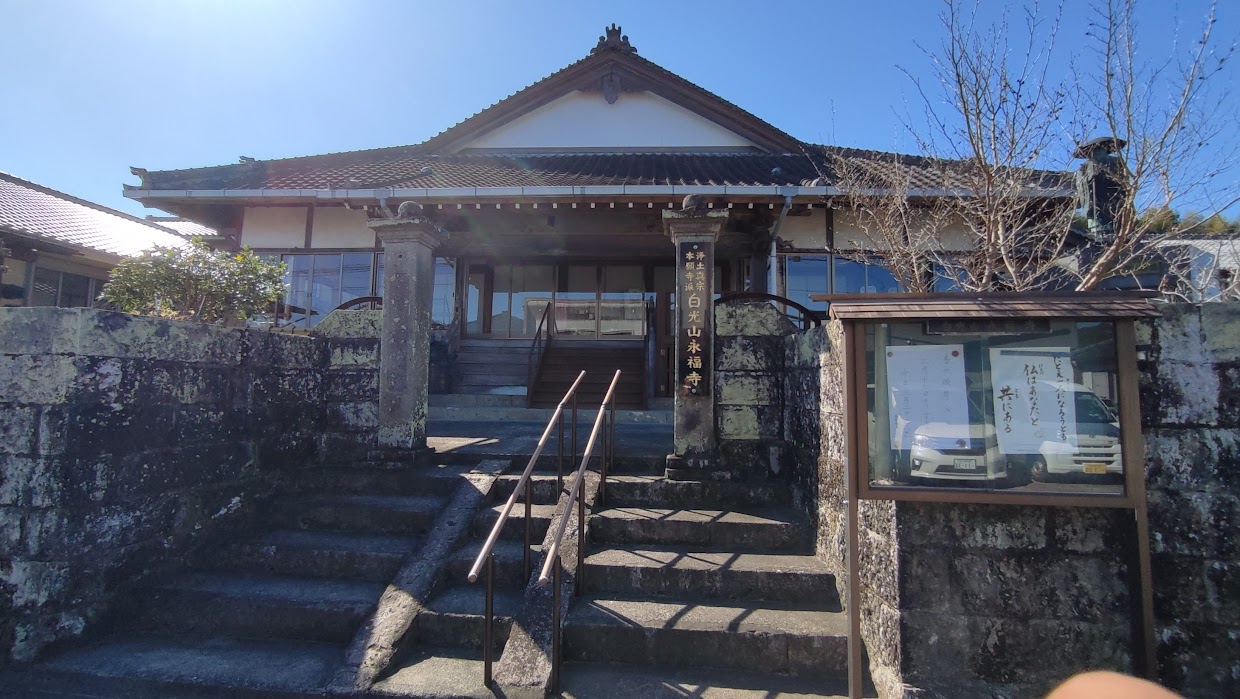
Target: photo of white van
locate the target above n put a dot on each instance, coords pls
(1094, 450)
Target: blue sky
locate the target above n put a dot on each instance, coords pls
(91, 88)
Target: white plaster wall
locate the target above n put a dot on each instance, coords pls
(806, 232)
(338, 227)
(850, 234)
(274, 227)
(585, 120)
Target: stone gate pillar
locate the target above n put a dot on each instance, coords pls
(409, 243)
(694, 230)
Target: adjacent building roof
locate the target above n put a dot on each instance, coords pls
(34, 211)
(184, 227)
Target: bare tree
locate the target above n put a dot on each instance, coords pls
(987, 152)
(901, 229)
(1000, 131)
(1176, 129)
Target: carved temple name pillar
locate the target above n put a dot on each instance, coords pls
(694, 232)
(409, 243)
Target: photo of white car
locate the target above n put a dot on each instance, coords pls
(956, 452)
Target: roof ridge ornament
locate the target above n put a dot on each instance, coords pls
(613, 40)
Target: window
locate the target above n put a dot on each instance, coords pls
(53, 288)
(805, 275)
(317, 283)
(858, 277)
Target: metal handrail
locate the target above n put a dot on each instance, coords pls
(538, 348)
(809, 317)
(486, 556)
(551, 564)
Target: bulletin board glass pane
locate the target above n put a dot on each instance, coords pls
(1014, 405)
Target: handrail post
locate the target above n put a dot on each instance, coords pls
(603, 465)
(581, 536)
(559, 464)
(574, 429)
(528, 516)
(555, 629)
(487, 642)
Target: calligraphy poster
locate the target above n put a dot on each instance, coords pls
(695, 304)
(1035, 405)
(926, 384)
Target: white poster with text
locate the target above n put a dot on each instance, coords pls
(1035, 407)
(926, 384)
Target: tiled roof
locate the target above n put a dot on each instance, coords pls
(438, 162)
(183, 227)
(31, 210)
(407, 168)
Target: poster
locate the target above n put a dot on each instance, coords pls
(926, 383)
(1035, 406)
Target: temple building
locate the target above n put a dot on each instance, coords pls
(552, 201)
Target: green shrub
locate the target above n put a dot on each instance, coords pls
(196, 283)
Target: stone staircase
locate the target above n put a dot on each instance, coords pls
(443, 654)
(689, 589)
(273, 614)
(703, 584)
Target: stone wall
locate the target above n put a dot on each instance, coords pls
(350, 381)
(1190, 407)
(987, 600)
(123, 440)
(749, 371)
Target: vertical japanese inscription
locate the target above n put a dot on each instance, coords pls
(695, 303)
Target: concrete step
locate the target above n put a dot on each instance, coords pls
(258, 606)
(405, 515)
(658, 491)
(378, 478)
(148, 667)
(749, 529)
(509, 563)
(465, 400)
(583, 680)
(315, 554)
(514, 528)
(543, 486)
(585, 417)
(436, 673)
(678, 574)
(752, 638)
(456, 616)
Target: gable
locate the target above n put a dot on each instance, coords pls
(584, 121)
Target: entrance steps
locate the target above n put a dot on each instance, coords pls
(708, 578)
(491, 408)
(488, 366)
(564, 360)
(704, 589)
(443, 654)
(270, 614)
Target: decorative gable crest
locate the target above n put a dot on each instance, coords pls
(611, 88)
(614, 40)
